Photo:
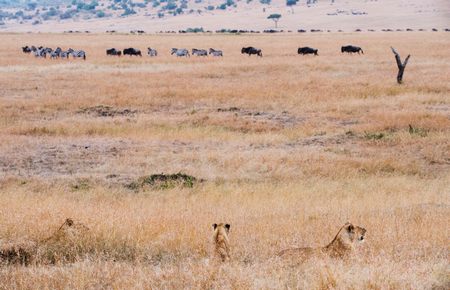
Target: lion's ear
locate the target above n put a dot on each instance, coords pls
(214, 226)
(350, 228)
(227, 226)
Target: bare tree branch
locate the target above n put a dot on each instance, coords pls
(401, 66)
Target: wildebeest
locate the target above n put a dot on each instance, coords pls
(215, 52)
(152, 51)
(113, 51)
(180, 52)
(77, 53)
(26, 49)
(199, 52)
(251, 50)
(132, 51)
(351, 49)
(307, 50)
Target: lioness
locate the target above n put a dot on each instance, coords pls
(340, 247)
(68, 231)
(221, 241)
(24, 252)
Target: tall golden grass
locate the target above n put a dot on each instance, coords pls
(288, 149)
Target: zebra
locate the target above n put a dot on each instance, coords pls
(199, 52)
(77, 53)
(152, 52)
(180, 52)
(215, 52)
(64, 54)
(42, 52)
(56, 53)
(38, 53)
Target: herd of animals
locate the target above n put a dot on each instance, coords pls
(53, 53)
(344, 244)
(180, 52)
(215, 52)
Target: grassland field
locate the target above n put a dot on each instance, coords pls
(285, 148)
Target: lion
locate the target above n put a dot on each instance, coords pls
(65, 239)
(69, 231)
(66, 244)
(343, 244)
(221, 240)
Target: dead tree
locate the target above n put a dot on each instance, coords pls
(401, 66)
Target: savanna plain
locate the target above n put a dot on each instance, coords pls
(285, 148)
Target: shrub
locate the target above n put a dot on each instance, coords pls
(128, 11)
(170, 6)
(32, 5)
(195, 30)
(163, 181)
(19, 13)
(179, 10)
(100, 14)
(374, 135)
(417, 131)
(67, 14)
(52, 12)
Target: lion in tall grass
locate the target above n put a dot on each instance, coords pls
(69, 231)
(66, 244)
(343, 245)
(221, 241)
(63, 244)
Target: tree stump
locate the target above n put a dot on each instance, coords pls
(401, 66)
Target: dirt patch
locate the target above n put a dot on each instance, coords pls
(106, 111)
(445, 108)
(284, 118)
(163, 181)
(53, 158)
(258, 121)
(323, 140)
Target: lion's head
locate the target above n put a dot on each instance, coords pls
(221, 227)
(346, 239)
(352, 234)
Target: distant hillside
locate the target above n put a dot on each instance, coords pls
(155, 15)
(47, 10)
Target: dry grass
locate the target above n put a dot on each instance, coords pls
(289, 148)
